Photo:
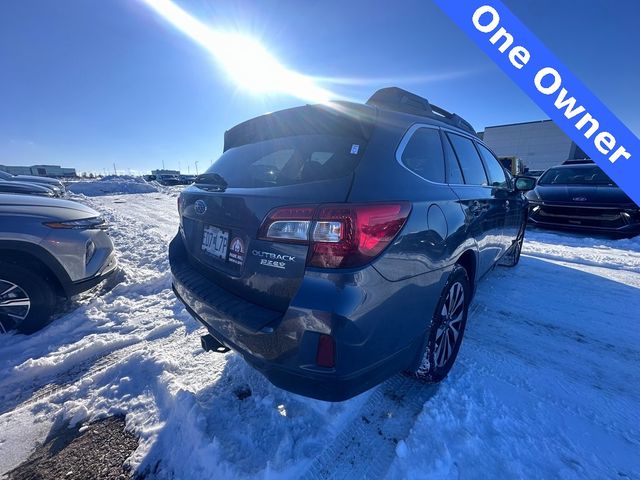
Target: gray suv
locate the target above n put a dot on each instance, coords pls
(49, 249)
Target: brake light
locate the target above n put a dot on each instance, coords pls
(339, 235)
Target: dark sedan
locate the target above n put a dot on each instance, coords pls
(582, 197)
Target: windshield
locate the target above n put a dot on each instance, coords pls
(5, 175)
(591, 175)
(285, 161)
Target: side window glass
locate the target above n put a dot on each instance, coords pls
(423, 154)
(454, 174)
(497, 176)
(469, 159)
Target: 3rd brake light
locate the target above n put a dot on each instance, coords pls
(340, 235)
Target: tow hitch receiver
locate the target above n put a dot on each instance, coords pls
(210, 344)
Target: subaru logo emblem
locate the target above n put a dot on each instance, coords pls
(579, 199)
(200, 207)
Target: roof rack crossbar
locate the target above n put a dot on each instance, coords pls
(397, 99)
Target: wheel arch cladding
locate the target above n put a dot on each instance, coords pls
(28, 258)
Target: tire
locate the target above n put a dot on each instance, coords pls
(27, 300)
(445, 334)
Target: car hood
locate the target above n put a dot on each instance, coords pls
(52, 208)
(581, 194)
(35, 179)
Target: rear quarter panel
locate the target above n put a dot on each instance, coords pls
(435, 234)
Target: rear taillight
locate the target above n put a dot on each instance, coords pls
(288, 224)
(339, 235)
(179, 201)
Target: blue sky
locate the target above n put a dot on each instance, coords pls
(90, 83)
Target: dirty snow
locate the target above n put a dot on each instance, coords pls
(546, 384)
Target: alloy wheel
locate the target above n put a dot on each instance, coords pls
(448, 333)
(15, 305)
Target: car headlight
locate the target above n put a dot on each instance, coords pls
(632, 213)
(84, 224)
(91, 249)
(48, 193)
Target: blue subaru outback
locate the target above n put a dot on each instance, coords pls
(336, 245)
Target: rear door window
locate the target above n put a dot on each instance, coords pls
(423, 155)
(497, 177)
(470, 161)
(454, 174)
(287, 161)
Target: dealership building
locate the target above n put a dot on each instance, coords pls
(539, 145)
(40, 170)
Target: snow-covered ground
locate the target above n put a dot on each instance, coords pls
(112, 185)
(546, 384)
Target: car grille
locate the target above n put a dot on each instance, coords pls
(596, 217)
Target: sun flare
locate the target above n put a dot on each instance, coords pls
(245, 60)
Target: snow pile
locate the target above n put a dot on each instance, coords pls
(545, 384)
(111, 185)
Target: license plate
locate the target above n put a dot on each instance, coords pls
(215, 242)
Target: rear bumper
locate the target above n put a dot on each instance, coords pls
(378, 326)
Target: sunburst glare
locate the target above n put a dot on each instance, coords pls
(245, 60)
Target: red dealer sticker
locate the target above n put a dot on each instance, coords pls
(237, 251)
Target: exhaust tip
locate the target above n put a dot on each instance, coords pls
(210, 344)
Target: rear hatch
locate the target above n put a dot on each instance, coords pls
(301, 156)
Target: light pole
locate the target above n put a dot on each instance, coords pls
(196, 162)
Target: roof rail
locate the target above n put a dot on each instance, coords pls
(399, 100)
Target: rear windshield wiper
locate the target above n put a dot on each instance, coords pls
(213, 180)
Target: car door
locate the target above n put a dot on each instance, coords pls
(500, 181)
(484, 206)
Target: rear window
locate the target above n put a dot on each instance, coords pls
(423, 155)
(287, 161)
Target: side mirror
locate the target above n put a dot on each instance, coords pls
(524, 184)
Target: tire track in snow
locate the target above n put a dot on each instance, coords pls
(91, 367)
(367, 446)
